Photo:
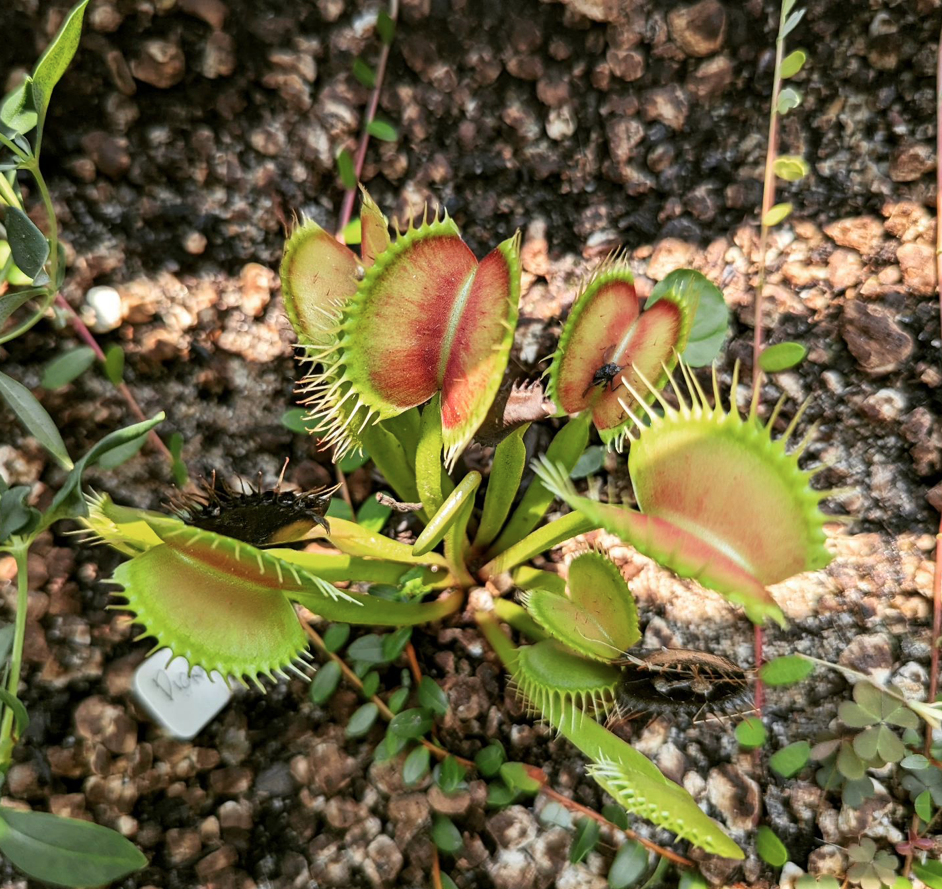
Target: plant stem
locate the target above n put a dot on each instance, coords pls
(51, 219)
(16, 655)
(346, 208)
(86, 336)
(768, 199)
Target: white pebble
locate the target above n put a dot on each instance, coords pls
(106, 303)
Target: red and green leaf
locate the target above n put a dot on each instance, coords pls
(318, 276)
(426, 318)
(608, 327)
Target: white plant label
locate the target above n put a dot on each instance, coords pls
(181, 701)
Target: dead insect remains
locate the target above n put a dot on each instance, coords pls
(255, 516)
(682, 681)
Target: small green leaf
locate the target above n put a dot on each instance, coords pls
(489, 759)
(692, 879)
(352, 233)
(446, 836)
(340, 509)
(412, 723)
(34, 417)
(750, 733)
(7, 633)
(923, 806)
(630, 865)
(395, 643)
(589, 463)
(791, 23)
(776, 214)
(889, 747)
(336, 636)
(386, 26)
(397, 700)
(373, 515)
(55, 59)
(18, 111)
(64, 368)
(325, 683)
(781, 357)
(416, 766)
(382, 130)
(346, 170)
(362, 720)
(793, 63)
(368, 649)
(114, 364)
(367, 76)
(499, 795)
(585, 840)
(770, 848)
(448, 882)
(16, 515)
(178, 467)
(915, 762)
(450, 775)
(354, 461)
(516, 777)
(28, 244)
(849, 763)
(786, 670)
(432, 697)
(293, 419)
(854, 716)
(554, 814)
(370, 684)
(788, 99)
(930, 872)
(616, 814)
(791, 759)
(122, 453)
(20, 716)
(790, 167)
(391, 746)
(66, 851)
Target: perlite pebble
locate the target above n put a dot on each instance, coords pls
(105, 302)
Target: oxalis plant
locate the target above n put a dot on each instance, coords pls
(406, 348)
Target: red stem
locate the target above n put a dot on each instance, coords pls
(346, 208)
(86, 336)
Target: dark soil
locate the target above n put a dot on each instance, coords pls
(641, 128)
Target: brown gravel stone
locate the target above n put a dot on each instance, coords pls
(917, 263)
(161, 63)
(628, 64)
(667, 104)
(223, 857)
(454, 806)
(230, 781)
(669, 255)
(874, 338)
(183, 845)
(699, 30)
(860, 233)
(97, 720)
(512, 827)
(409, 813)
(911, 161)
(735, 795)
(710, 78)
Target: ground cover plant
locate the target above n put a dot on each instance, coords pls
(405, 348)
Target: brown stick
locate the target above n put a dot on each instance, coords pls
(346, 208)
(436, 869)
